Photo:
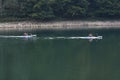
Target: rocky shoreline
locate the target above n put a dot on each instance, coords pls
(60, 25)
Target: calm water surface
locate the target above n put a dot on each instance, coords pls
(61, 59)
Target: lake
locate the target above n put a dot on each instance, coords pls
(61, 59)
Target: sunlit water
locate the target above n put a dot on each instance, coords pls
(61, 59)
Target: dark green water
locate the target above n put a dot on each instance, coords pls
(61, 59)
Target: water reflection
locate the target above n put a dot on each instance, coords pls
(61, 59)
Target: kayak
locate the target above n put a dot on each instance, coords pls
(28, 36)
(92, 37)
(86, 37)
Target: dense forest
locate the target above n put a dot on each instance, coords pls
(60, 9)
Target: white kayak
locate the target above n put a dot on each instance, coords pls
(91, 37)
(28, 36)
(87, 37)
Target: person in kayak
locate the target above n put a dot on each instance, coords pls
(90, 35)
(25, 34)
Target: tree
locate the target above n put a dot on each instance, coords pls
(42, 10)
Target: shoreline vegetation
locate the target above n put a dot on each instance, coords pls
(79, 14)
(58, 25)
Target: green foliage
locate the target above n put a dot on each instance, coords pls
(54, 9)
(75, 12)
(105, 8)
(42, 10)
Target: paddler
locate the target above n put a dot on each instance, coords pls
(90, 35)
(25, 34)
